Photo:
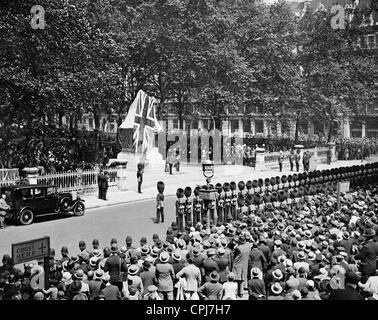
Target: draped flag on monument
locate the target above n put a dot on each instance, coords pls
(142, 119)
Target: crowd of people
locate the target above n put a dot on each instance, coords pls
(305, 250)
(356, 148)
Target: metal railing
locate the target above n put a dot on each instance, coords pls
(84, 181)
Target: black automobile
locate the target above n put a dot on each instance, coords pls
(31, 200)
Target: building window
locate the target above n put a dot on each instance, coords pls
(303, 127)
(175, 124)
(355, 129)
(91, 123)
(247, 125)
(195, 124)
(372, 128)
(259, 109)
(259, 126)
(234, 125)
(371, 41)
(205, 124)
(285, 127)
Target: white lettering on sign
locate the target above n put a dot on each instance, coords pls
(30, 250)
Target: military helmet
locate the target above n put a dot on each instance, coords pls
(241, 185)
(160, 186)
(180, 192)
(188, 192)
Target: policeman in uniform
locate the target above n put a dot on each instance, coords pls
(160, 202)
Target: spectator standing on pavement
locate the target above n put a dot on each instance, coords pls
(3, 210)
(280, 160)
(140, 176)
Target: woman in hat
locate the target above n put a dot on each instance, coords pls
(165, 276)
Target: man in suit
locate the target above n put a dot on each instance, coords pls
(116, 267)
(368, 255)
(192, 274)
(240, 265)
(110, 292)
(100, 179)
(350, 292)
(257, 259)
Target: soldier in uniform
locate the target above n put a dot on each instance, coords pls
(233, 200)
(188, 205)
(227, 201)
(297, 159)
(160, 202)
(280, 160)
(291, 159)
(197, 207)
(220, 202)
(140, 176)
(329, 156)
(180, 209)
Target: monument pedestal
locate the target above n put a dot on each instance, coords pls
(154, 158)
(260, 159)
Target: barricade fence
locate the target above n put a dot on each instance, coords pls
(84, 182)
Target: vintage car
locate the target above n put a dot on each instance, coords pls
(28, 201)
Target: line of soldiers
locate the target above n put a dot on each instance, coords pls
(231, 204)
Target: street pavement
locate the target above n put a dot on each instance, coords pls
(118, 221)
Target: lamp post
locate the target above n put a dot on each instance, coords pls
(207, 192)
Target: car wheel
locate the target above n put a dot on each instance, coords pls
(79, 209)
(64, 205)
(26, 217)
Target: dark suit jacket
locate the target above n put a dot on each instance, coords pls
(368, 256)
(345, 294)
(114, 265)
(256, 287)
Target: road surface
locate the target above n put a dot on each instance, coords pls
(134, 219)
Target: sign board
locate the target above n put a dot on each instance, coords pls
(207, 194)
(30, 250)
(343, 186)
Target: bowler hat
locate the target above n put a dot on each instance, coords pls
(277, 274)
(214, 276)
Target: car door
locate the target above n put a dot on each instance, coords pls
(42, 203)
